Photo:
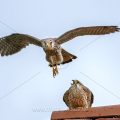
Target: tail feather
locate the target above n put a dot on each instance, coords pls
(67, 57)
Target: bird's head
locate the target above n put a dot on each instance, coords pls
(48, 44)
(75, 82)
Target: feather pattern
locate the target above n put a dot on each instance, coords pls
(95, 30)
(78, 97)
(14, 43)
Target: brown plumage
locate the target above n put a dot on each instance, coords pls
(55, 54)
(78, 96)
(95, 30)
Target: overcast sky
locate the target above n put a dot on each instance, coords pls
(27, 88)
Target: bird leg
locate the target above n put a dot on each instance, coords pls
(55, 70)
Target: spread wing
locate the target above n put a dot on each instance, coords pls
(14, 43)
(90, 96)
(95, 30)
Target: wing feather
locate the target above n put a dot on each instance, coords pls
(90, 96)
(94, 30)
(14, 43)
(65, 98)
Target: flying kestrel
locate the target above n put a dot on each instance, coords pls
(55, 54)
(78, 96)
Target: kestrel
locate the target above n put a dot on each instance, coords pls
(55, 54)
(78, 96)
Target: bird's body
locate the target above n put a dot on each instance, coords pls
(55, 54)
(78, 96)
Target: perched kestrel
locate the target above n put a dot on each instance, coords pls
(55, 54)
(78, 96)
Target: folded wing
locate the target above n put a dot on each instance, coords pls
(90, 96)
(65, 98)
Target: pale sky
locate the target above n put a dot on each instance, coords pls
(27, 88)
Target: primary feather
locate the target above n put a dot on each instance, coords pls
(14, 43)
(94, 30)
